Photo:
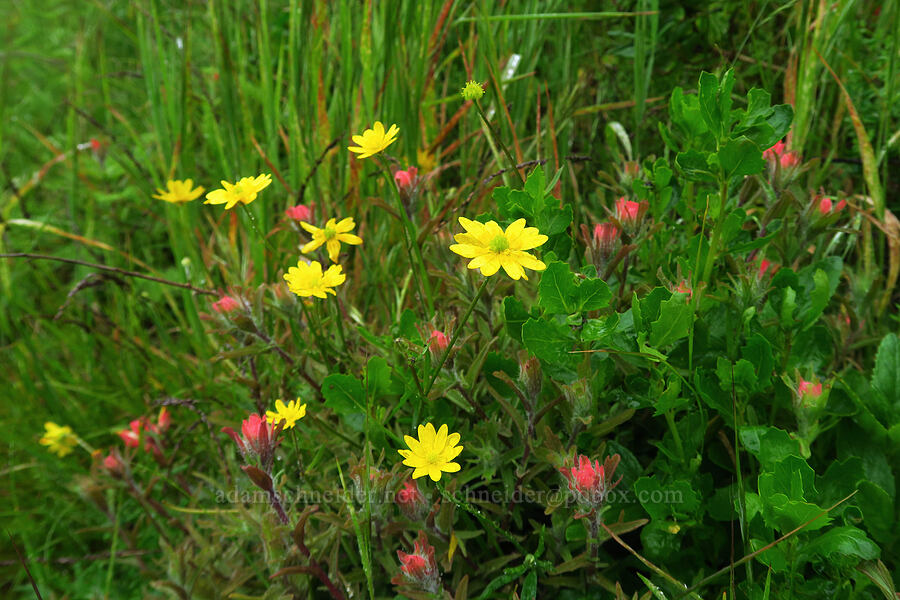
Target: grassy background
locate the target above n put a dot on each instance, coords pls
(218, 90)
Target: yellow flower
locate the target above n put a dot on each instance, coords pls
(472, 91)
(178, 191)
(58, 439)
(427, 162)
(244, 191)
(331, 235)
(374, 140)
(290, 413)
(492, 248)
(307, 279)
(432, 453)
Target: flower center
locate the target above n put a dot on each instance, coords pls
(237, 190)
(499, 244)
(330, 233)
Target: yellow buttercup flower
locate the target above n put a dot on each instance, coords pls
(307, 279)
(58, 439)
(491, 248)
(331, 235)
(244, 191)
(290, 413)
(178, 191)
(432, 453)
(374, 140)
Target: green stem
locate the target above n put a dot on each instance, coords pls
(255, 228)
(716, 238)
(412, 247)
(340, 322)
(456, 333)
(499, 142)
(485, 522)
(670, 419)
(325, 356)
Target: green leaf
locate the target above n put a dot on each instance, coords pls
(599, 329)
(785, 490)
(742, 375)
(344, 394)
(878, 511)
(769, 445)
(774, 557)
(677, 498)
(551, 342)
(780, 120)
(659, 542)
(846, 542)
(407, 326)
(560, 292)
(695, 165)
(378, 379)
(710, 110)
(556, 289)
(534, 185)
(758, 351)
(673, 324)
(741, 157)
(515, 315)
(529, 586)
(593, 294)
(886, 381)
(553, 221)
(817, 298)
(791, 476)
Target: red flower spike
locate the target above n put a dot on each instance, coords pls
(437, 344)
(774, 152)
(407, 180)
(164, 420)
(590, 483)
(810, 389)
(606, 236)
(764, 266)
(789, 160)
(113, 464)
(301, 212)
(411, 501)
(259, 438)
(226, 304)
(419, 567)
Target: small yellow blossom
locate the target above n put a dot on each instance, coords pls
(472, 91)
(178, 191)
(290, 413)
(331, 235)
(58, 439)
(374, 140)
(491, 248)
(307, 279)
(244, 191)
(432, 453)
(427, 162)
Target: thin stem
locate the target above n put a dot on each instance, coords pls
(340, 323)
(412, 247)
(259, 233)
(116, 270)
(485, 522)
(499, 142)
(670, 419)
(456, 333)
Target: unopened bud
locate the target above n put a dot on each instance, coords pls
(531, 378)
